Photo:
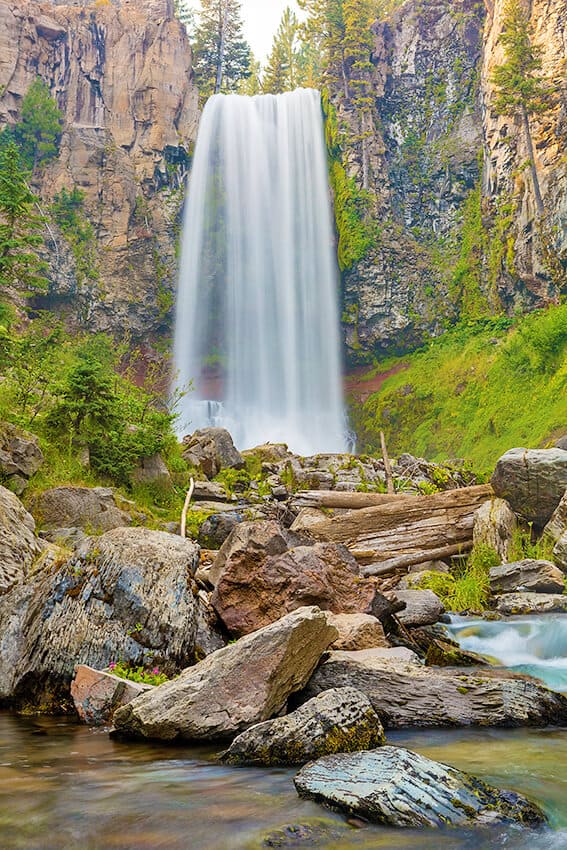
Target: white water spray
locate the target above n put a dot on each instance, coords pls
(257, 328)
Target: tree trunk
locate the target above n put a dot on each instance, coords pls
(533, 169)
(222, 48)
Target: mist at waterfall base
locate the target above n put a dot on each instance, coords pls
(257, 325)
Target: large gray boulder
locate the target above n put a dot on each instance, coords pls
(535, 576)
(533, 481)
(423, 607)
(128, 598)
(210, 450)
(560, 552)
(510, 604)
(245, 683)
(557, 525)
(397, 787)
(18, 544)
(494, 526)
(93, 508)
(336, 721)
(20, 456)
(406, 695)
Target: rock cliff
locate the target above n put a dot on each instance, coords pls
(121, 74)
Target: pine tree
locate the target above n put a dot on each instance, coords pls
(284, 63)
(222, 56)
(324, 30)
(39, 130)
(186, 15)
(20, 226)
(520, 90)
(252, 85)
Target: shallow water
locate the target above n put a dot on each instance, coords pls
(66, 787)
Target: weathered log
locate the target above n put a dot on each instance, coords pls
(402, 562)
(387, 465)
(410, 526)
(349, 500)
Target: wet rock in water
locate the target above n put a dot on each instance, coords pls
(210, 450)
(423, 607)
(130, 598)
(245, 683)
(530, 603)
(337, 721)
(494, 526)
(535, 576)
(97, 694)
(80, 507)
(447, 653)
(324, 574)
(411, 695)
(302, 835)
(20, 457)
(533, 481)
(357, 631)
(397, 787)
(18, 544)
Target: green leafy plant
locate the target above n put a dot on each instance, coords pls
(138, 674)
(471, 589)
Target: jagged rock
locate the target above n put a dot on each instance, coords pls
(18, 544)
(557, 525)
(397, 787)
(20, 456)
(357, 631)
(325, 575)
(152, 469)
(210, 450)
(529, 575)
(129, 598)
(217, 528)
(530, 603)
(245, 683)
(406, 695)
(249, 544)
(560, 552)
(446, 653)
(93, 508)
(97, 694)
(423, 607)
(533, 481)
(336, 721)
(494, 526)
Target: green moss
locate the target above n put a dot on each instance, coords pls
(442, 584)
(471, 589)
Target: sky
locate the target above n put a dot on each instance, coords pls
(261, 19)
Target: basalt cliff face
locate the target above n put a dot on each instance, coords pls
(121, 74)
(458, 230)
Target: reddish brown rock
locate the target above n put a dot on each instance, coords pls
(325, 575)
(97, 694)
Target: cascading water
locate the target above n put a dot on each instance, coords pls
(257, 328)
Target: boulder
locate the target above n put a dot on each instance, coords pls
(397, 787)
(93, 508)
(510, 604)
(561, 443)
(423, 607)
(357, 631)
(494, 526)
(406, 695)
(249, 544)
(337, 721)
(216, 528)
(208, 638)
(151, 470)
(18, 544)
(20, 456)
(210, 450)
(533, 481)
(209, 491)
(325, 575)
(245, 683)
(560, 552)
(534, 576)
(129, 598)
(97, 694)
(557, 525)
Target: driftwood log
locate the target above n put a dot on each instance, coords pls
(348, 500)
(417, 526)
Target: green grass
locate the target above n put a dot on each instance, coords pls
(471, 590)
(476, 392)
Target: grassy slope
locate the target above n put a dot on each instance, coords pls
(476, 392)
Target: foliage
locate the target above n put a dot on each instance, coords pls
(283, 71)
(222, 56)
(185, 13)
(137, 674)
(67, 210)
(39, 130)
(479, 389)
(525, 545)
(442, 584)
(471, 589)
(20, 225)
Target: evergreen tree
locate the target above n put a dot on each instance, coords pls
(324, 30)
(20, 226)
(520, 90)
(186, 15)
(39, 130)
(283, 72)
(252, 85)
(222, 56)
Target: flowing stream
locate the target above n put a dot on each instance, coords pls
(67, 787)
(257, 327)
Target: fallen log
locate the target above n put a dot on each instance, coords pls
(404, 561)
(411, 525)
(349, 500)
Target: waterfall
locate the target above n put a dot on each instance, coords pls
(257, 327)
